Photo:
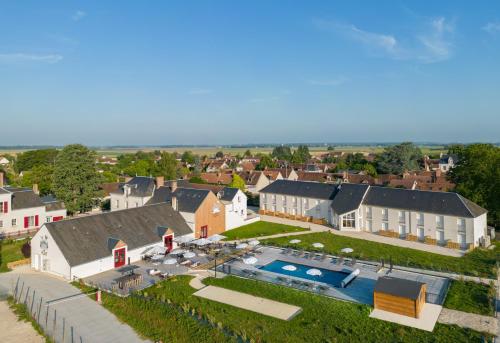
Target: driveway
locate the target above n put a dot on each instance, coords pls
(63, 311)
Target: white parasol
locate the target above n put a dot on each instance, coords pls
(314, 272)
(250, 260)
(347, 250)
(242, 246)
(318, 245)
(170, 261)
(295, 241)
(289, 267)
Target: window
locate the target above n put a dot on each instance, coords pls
(369, 225)
(368, 212)
(385, 214)
(117, 203)
(402, 216)
(461, 224)
(14, 222)
(31, 221)
(440, 222)
(420, 219)
(48, 219)
(126, 204)
(136, 204)
(306, 205)
(274, 199)
(402, 229)
(349, 220)
(385, 226)
(1, 223)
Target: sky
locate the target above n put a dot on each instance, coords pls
(244, 72)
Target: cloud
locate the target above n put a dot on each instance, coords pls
(491, 27)
(331, 82)
(432, 42)
(199, 91)
(23, 57)
(79, 15)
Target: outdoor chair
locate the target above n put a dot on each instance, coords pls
(281, 279)
(340, 260)
(323, 257)
(311, 256)
(322, 288)
(296, 283)
(353, 262)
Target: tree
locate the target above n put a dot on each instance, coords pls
(369, 169)
(167, 166)
(29, 159)
(219, 154)
(41, 175)
(477, 177)
(188, 157)
(237, 182)
(400, 158)
(76, 180)
(282, 153)
(266, 161)
(248, 153)
(196, 179)
(330, 148)
(301, 155)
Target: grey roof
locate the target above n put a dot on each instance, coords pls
(301, 188)
(3, 191)
(349, 197)
(398, 287)
(228, 193)
(51, 203)
(188, 199)
(444, 203)
(140, 186)
(445, 158)
(86, 239)
(24, 198)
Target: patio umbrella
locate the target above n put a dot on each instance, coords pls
(242, 246)
(170, 261)
(254, 242)
(157, 257)
(184, 239)
(295, 241)
(216, 238)
(178, 251)
(250, 260)
(314, 272)
(289, 267)
(347, 250)
(201, 242)
(189, 254)
(318, 245)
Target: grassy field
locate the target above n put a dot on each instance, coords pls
(471, 297)
(10, 251)
(322, 319)
(480, 262)
(259, 229)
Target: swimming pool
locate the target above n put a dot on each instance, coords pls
(327, 276)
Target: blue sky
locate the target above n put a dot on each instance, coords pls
(223, 72)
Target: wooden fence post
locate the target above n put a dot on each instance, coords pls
(54, 326)
(32, 302)
(39, 309)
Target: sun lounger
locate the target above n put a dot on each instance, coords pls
(323, 257)
(340, 260)
(322, 288)
(281, 279)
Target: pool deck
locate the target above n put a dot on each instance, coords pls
(427, 321)
(360, 290)
(249, 302)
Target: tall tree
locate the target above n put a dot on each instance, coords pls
(42, 175)
(248, 153)
(29, 159)
(219, 154)
(266, 161)
(76, 180)
(399, 158)
(477, 177)
(188, 157)
(301, 155)
(167, 166)
(282, 152)
(237, 182)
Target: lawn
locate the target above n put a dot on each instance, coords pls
(471, 297)
(480, 262)
(322, 319)
(10, 251)
(259, 229)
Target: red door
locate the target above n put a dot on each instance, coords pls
(204, 232)
(169, 241)
(119, 257)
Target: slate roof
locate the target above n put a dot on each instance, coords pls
(140, 186)
(349, 197)
(228, 193)
(85, 239)
(398, 287)
(444, 203)
(24, 198)
(3, 191)
(188, 199)
(51, 203)
(301, 189)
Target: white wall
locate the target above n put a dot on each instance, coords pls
(236, 211)
(125, 202)
(53, 261)
(302, 206)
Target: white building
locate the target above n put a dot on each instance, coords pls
(134, 193)
(446, 162)
(21, 209)
(441, 216)
(4, 161)
(235, 202)
(84, 246)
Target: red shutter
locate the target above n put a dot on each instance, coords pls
(26, 222)
(5, 207)
(36, 220)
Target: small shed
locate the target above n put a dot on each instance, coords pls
(401, 296)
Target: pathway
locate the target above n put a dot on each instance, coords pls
(12, 330)
(360, 235)
(55, 299)
(469, 320)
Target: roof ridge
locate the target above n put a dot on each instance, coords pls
(466, 206)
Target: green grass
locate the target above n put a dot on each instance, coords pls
(472, 297)
(10, 251)
(21, 311)
(322, 319)
(479, 262)
(259, 229)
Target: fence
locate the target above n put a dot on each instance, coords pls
(18, 234)
(53, 324)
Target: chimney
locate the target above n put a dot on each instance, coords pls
(160, 181)
(173, 185)
(35, 189)
(1, 179)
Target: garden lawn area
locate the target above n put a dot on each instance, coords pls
(259, 229)
(469, 296)
(10, 251)
(479, 262)
(322, 319)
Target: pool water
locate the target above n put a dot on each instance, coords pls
(327, 276)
